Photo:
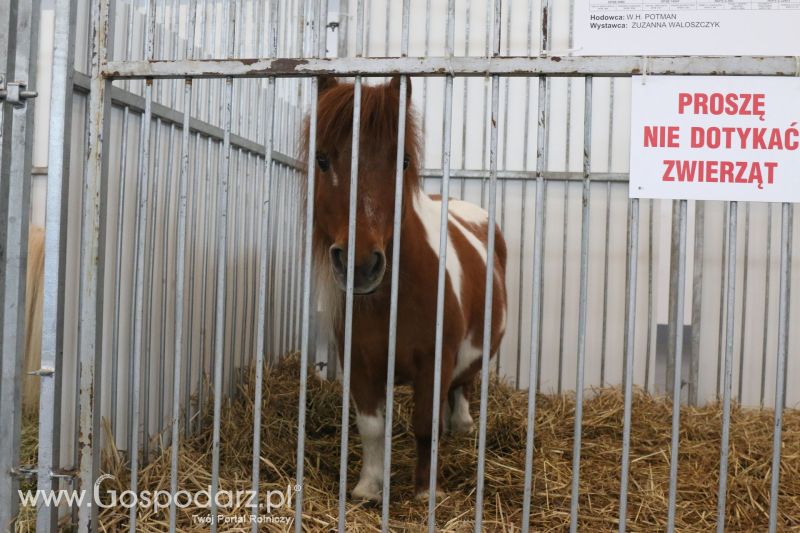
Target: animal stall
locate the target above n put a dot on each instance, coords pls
(512, 343)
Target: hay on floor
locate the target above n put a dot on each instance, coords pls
(747, 503)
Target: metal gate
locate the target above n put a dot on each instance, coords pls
(160, 155)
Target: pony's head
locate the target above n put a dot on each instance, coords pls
(377, 160)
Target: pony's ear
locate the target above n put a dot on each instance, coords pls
(325, 83)
(394, 85)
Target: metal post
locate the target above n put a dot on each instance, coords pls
(489, 287)
(680, 287)
(787, 212)
(728, 373)
(15, 165)
(395, 281)
(92, 263)
(630, 348)
(59, 143)
(583, 304)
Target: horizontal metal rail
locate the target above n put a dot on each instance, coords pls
(170, 116)
(601, 177)
(553, 65)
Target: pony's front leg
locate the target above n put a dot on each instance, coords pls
(370, 420)
(423, 424)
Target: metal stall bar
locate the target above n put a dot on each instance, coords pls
(395, 281)
(123, 165)
(55, 245)
(351, 255)
(584, 287)
(538, 259)
(490, 244)
(222, 237)
(630, 348)
(524, 194)
(92, 263)
(179, 273)
(551, 65)
(787, 212)
(22, 51)
(767, 270)
(440, 296)
(15, 183)
(728, 372)
(309, 303)
(141, 238)
(263, 211)
(680, 287)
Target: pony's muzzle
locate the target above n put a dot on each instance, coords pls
(367, 274)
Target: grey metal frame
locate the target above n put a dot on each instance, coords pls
(277, 245)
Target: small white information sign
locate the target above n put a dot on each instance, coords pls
(687, 27)
(715, 138)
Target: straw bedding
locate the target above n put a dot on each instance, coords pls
(747, 503)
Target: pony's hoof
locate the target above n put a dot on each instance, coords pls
(367, 490)
(423, 495)
(461, 426)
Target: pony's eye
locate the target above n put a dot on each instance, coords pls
(406, 162)
(323, 162)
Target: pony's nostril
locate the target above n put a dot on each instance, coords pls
(376, 267)
(338, 258)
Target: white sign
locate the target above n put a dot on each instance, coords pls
(687, 27)
(715, 138)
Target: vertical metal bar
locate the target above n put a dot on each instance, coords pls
(524, 194)
(489, 290)
(351, 253)
(179, 274)
(744, 298)
(265, 226)
(92, 263)
(141, 237)
(720, 352)
(395, 269)
(768, 269)
(697, 298)
(14, 213)
(308, 302)
(538, 259)
(584, 287)
(222, 236)
(630, 348)
(728, 375)
(58, 161)
(123, 167)
(787, 213)
(680, 287)
(650, 269)
(443, 237)
(606, 238)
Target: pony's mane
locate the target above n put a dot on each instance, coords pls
(380, 112)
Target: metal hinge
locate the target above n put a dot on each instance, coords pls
(15, 92)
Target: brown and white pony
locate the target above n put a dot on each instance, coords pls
(419, 256)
